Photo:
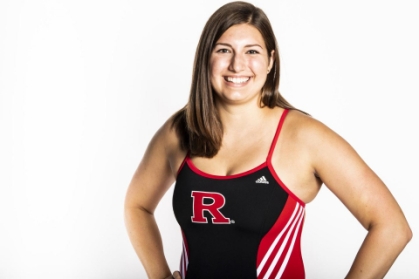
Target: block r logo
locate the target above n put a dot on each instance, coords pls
(198, 207)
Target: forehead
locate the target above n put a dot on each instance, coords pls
(245, 33)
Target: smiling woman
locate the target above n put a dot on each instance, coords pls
(246, 163)
(239, 64)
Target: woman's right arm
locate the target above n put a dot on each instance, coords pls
(151, 180)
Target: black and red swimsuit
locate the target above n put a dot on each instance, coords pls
(246, 225)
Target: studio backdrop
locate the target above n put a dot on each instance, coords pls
(84, 85)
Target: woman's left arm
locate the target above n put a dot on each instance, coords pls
(343, 171)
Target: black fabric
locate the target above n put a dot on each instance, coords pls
(227, 250)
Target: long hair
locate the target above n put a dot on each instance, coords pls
(198, 124)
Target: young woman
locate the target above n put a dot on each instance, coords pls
(245, 163)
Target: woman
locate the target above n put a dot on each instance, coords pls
(245, 164)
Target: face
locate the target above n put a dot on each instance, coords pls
(240, 64)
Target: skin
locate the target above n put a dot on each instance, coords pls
(239, 55)
(307, 155)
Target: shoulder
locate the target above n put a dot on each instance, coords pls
(167, 140)
(328, 153)
(306, 128)
(166, 137)
(314, 137)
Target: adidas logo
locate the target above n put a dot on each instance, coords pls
(262, 180)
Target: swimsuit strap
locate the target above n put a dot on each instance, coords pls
(278, 131)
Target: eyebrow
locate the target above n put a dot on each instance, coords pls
(251, 45)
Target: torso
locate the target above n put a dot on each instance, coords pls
(252, 190)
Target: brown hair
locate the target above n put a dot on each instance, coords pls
(198, 124)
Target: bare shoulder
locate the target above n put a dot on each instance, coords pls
(321, 146)
(296, 156)
(309, 131)
(167, 138)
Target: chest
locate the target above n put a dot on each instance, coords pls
(236, 157)
(249, 202)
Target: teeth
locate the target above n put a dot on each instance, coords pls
(237, 80)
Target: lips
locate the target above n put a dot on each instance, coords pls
(237, 80)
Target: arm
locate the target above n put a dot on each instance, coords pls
(366, 196)
(151, 180)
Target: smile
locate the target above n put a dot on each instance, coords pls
(237, 80)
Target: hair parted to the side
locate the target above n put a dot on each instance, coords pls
(198, 124)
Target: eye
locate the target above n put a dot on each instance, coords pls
(222, 50)
(252, 51)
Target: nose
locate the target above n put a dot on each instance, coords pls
(237, 63)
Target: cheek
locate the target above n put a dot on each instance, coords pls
(217, 68)
(259, 66)
(219, 65)
(214, 73)
(213, 67)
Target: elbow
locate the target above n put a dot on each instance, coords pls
(408, 234)
(397, 233)
(405, 231)
(403, 235)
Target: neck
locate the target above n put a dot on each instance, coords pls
(237, 117)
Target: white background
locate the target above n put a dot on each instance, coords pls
(85, 84)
